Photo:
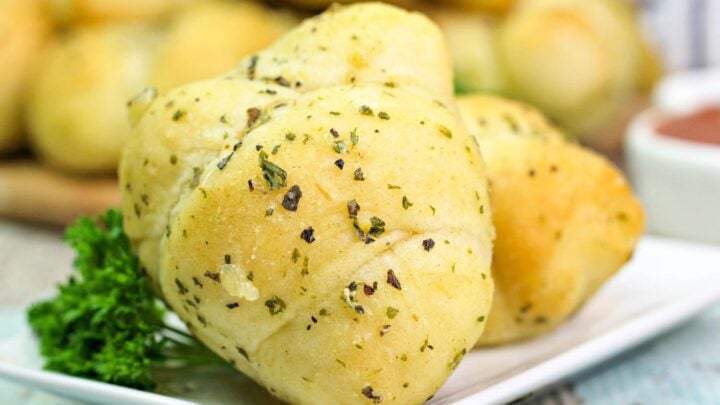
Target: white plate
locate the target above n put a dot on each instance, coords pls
(665, 284)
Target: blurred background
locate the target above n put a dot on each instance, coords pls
(69, 68)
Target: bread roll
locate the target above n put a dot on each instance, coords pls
(24, 28)
(565, 218)
(73, 12)
(76, 107)
(77, 103)
(294, 215)
(208, 38)
(472, 41)
(577, 60)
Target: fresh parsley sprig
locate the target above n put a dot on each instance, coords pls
(105, 322)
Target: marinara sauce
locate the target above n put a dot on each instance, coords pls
(701, 126)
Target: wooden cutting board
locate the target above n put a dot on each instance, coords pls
(32, 192)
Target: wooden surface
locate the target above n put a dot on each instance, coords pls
(31, 192)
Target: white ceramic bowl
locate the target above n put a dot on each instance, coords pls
(677, 181)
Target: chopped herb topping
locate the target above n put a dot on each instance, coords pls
(481, 318)
(361, 234)
(305, 271)
(514, 127)
(393, 187)
(295, 255)
(181, 287)
(353, 208)
(383, 115)
(348, 294)
(251, 67)
(393, 280)
(242, 352)
(197, 282)
(232, 305)
(292, 198)
(228, 259)
(251, 186)
(445, 131)
(275, 149)
(339, 146)
(406, 203)
(456, 360)
(377, 227)
(308, 234)
(426, 345)
(358, 175)
(290, 136)
(385, 329)
(334, 133)
(224, 161)
(340, 163)
(428, 244)
(354, 138)
(275, 305)
(391, 312)
(368, 289)
(370, 394)
(253, 114)
(433, 210)
(212, 276)
(173, 159)
(273, 174)
(365, 110)
(282, 81)
(179, 114)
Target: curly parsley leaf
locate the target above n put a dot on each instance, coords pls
(105, 322)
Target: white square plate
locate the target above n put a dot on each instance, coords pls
(665, 284)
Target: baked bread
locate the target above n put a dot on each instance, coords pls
(96, 69)
(24, 28)
(565, 218)
(89, 12)
(576, 60)
(75, 108)
(295, 215)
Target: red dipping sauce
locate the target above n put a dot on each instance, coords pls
(702, 126)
